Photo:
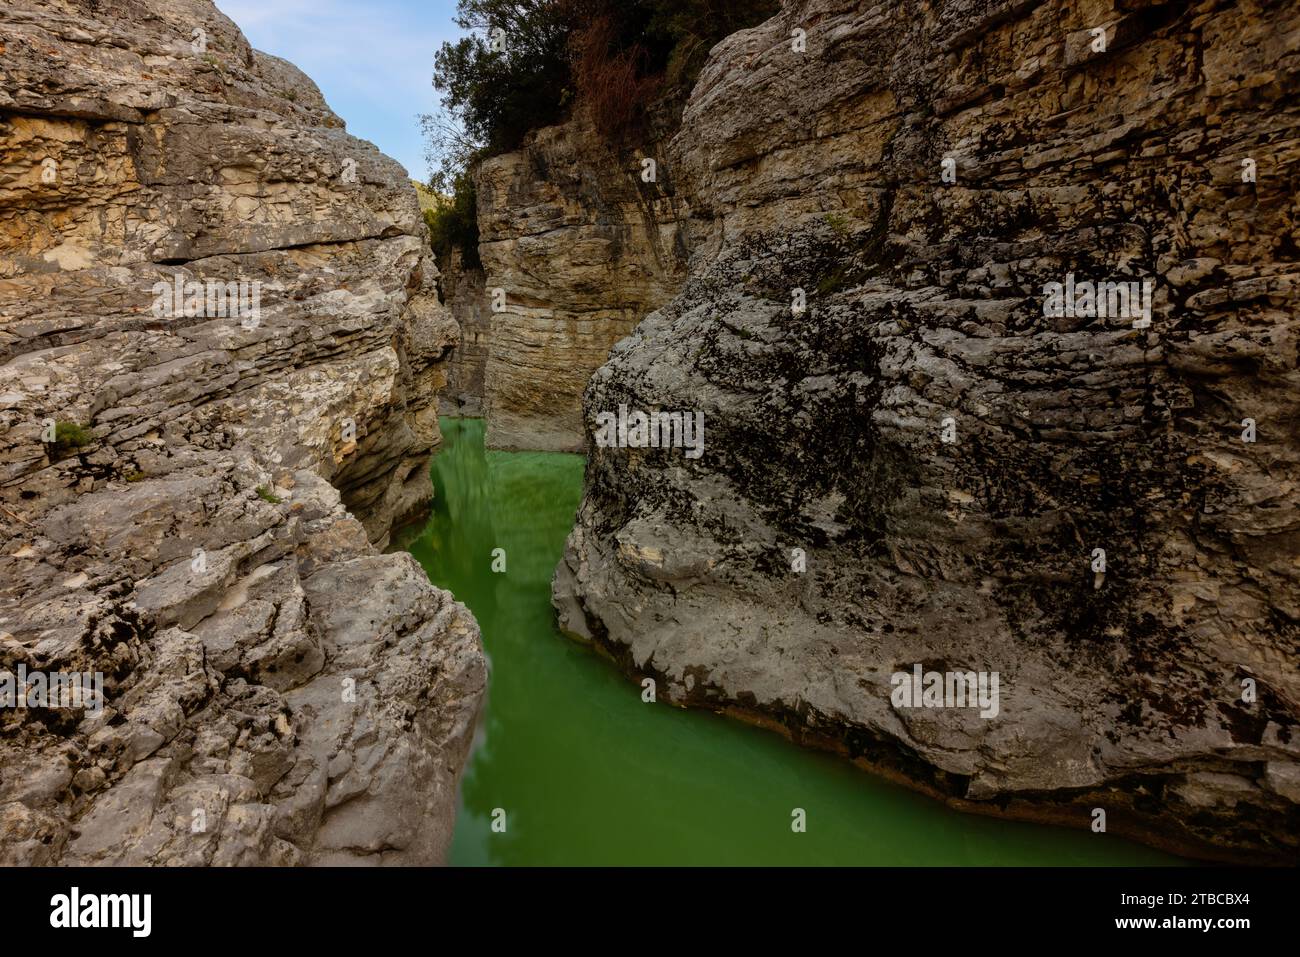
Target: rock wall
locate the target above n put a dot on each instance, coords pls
(466, 296)
(581, 248)
(205, 530)
(919, 467)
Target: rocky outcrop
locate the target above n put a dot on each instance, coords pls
(466, 296)
(577, 247)
(921, 466)
(228, 459)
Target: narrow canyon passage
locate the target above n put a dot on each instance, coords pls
(586, 773)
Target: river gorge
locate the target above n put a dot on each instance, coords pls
(589, 773)
(790, 432)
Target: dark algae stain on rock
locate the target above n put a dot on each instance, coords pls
(913, 457)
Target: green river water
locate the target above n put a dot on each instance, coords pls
(588, 774)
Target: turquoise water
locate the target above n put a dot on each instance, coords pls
(587, 773)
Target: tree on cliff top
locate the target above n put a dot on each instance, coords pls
(510, 74)
(525, 64)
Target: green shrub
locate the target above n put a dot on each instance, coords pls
(70, 435)
(614, 54)
(266, 495)
(499, 95)
(678, 34)
(838, 224)
(453, 222)
(612, 58)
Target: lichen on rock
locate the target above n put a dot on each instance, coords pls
(919, 174)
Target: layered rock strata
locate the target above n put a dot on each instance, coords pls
(925, 465)
(465, 294)
(579, 242)
(227, 460)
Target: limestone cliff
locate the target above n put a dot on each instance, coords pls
(923, 465)
(579, 242)
(204, 528)
(466, 296)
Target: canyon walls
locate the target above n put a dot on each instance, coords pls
(909, 460)
(579, 242)
(466, 297)
(220, 352)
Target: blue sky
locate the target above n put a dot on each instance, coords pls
(373, 60)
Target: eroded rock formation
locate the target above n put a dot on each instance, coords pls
(465, 295)
(1165, 689)
(582, 246)
(205, 530)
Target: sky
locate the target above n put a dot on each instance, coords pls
(372, 59)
